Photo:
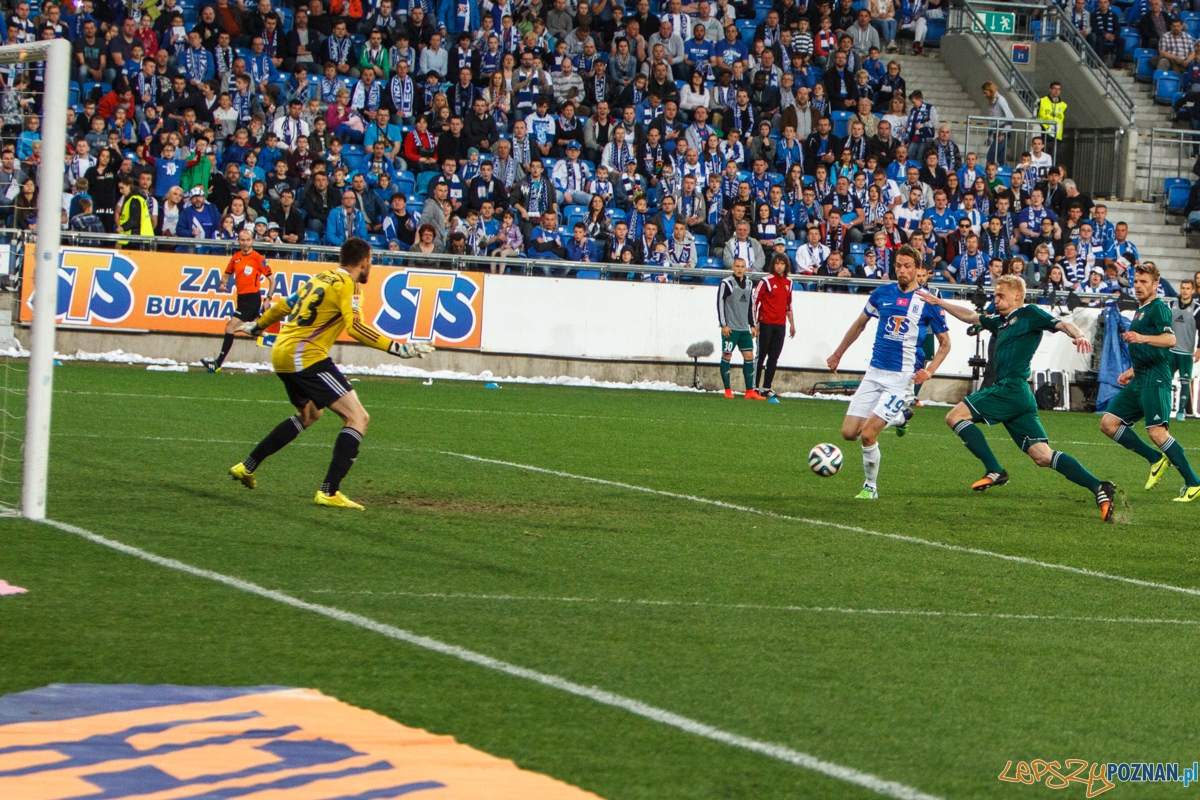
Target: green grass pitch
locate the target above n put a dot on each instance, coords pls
(756, 633)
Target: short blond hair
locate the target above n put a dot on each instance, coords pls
(1014, 282)
(1148, 268)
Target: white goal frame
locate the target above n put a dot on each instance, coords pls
(56, 53)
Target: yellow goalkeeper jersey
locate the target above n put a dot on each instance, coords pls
(314, 317)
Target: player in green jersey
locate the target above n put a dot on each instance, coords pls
(1009, 402)
(1147, 392)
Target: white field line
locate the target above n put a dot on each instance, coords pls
(662, 716)
(836, 526)
(896, 537)
(874, 612)
(1100, 440)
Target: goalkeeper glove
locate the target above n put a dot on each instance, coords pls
(251, 329)
(409, 350)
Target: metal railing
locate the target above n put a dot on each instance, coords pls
(1046, 23)
(983, 134)
(1092, 157)
(1173, 151)
(1058, 23)
(964, 18)
(323, 255)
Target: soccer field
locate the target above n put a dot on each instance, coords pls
(666, 548)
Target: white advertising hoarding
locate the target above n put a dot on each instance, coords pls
(636, 321)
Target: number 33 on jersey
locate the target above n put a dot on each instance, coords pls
(315, 316)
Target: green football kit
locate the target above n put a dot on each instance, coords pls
(1148, 395)
(1009, 401)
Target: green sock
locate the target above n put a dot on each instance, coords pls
(976, 442)
(1174, 451)
(1185, 396)
(1073, 471)
(748, 374)
(1128, 438)
(725, 372)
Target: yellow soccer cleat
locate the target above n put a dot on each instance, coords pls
(239, 473)
(336, 500)
(1157, 471)
(1188, 494)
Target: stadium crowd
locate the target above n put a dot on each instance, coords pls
(682, 135)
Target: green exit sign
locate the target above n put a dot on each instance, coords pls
(1001, 23)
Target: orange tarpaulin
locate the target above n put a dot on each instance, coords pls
(270, 744)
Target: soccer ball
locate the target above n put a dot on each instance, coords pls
(825, 460)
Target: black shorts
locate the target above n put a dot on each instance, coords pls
(249, 307)
(321, 384)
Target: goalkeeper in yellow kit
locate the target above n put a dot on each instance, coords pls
(313, 318)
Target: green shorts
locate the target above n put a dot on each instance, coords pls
(929, 347)
(1012, 405)
(1142, 399)
(1181, 363)
(737, 340)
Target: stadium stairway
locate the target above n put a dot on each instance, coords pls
(1157, 239)
(1148, 116)
(1158, 235)
(929, 74)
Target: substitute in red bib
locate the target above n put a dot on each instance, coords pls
(246, 270)
(772, 310)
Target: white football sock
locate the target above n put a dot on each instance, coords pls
(871, 457)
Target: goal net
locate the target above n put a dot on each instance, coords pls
(37, 79)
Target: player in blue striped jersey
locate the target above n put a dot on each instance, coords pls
(897, 362)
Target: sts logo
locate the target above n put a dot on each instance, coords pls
(896, 326)
(428, 306)
(93, 286)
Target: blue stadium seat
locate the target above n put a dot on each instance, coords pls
(105, 88)
(377, 241)
(935, 31)
(1177, 190)
(423, 181)
(353, 150)
(709, 263)
(701, 248)
(1191, 22)
(841, 123)
(285, 14)
(1132, 40)
(857, 253)
(312, 237)
(1166, 84)
(746, 30)
(354, 162)
(1004, 173)
(588, 274)
(1144, 58)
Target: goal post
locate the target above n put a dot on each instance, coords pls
(56, 53)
